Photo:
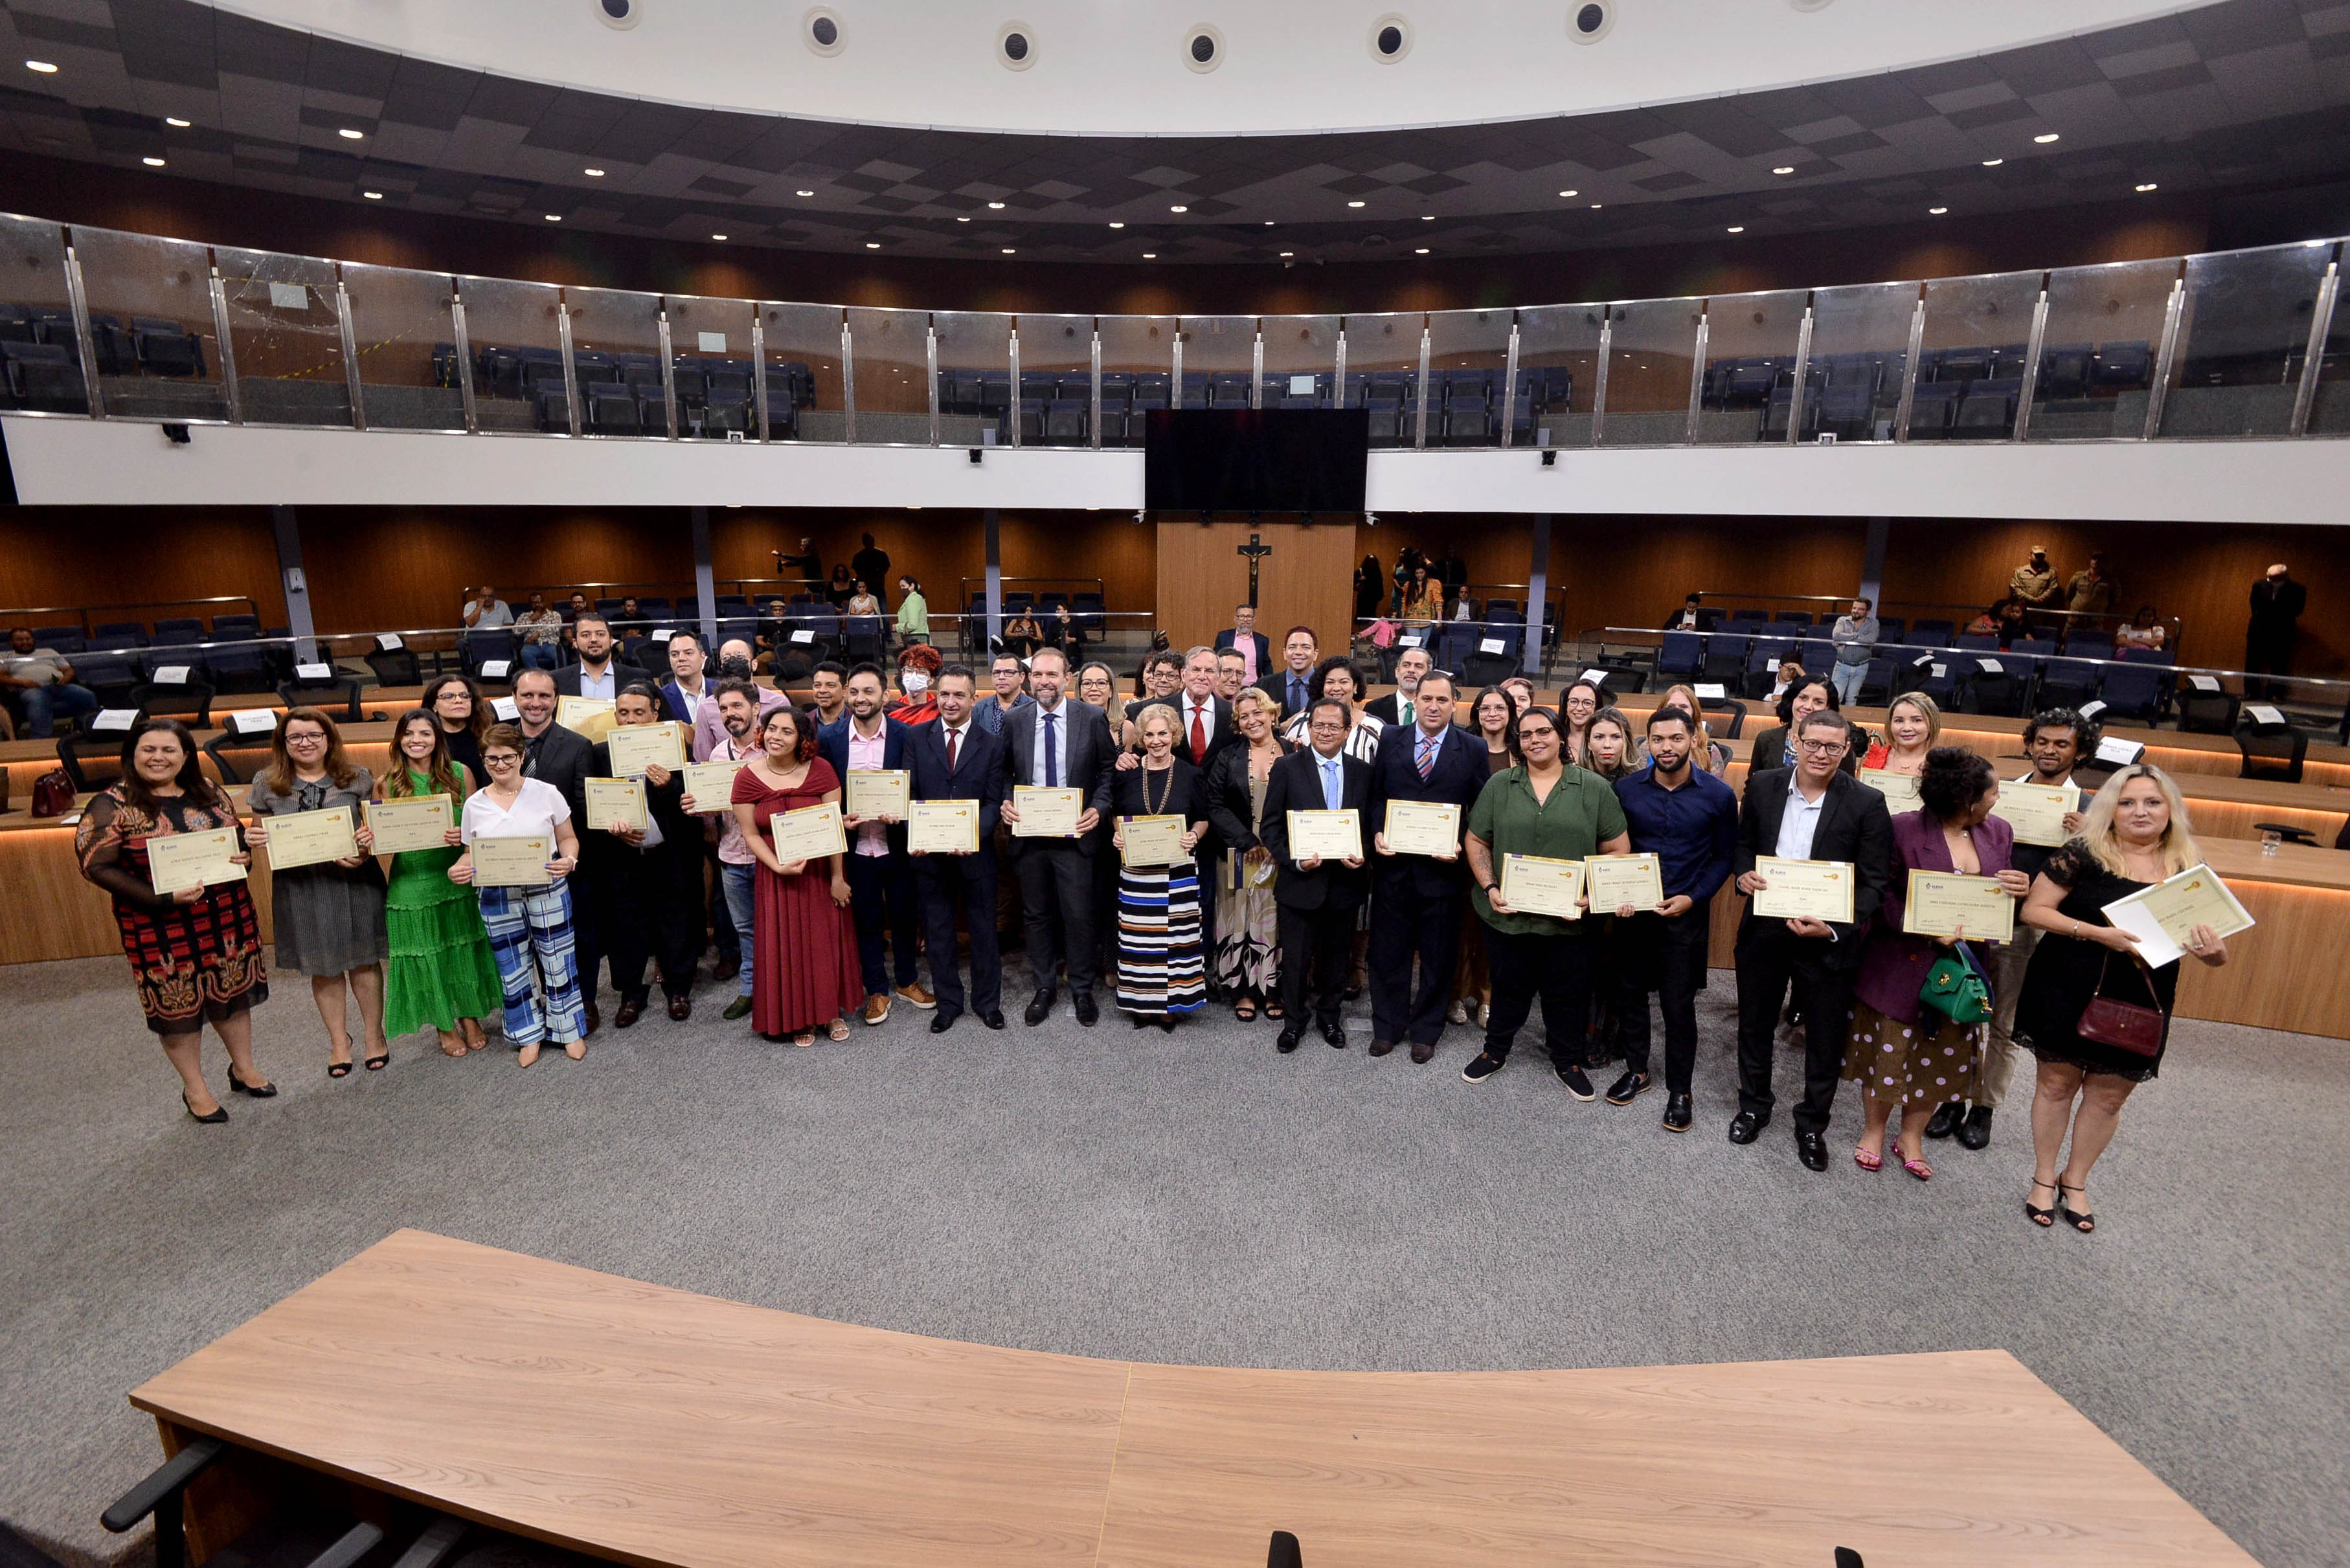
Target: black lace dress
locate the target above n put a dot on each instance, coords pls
(2065, 972)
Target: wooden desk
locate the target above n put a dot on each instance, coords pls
(652, 1427)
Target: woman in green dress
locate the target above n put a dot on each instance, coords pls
(442, 973)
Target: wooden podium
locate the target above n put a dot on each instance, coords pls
(1305, 579)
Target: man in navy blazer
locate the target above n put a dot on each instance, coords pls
(1416, 900)
(1064, 744)
(1243, 633)
(880, 874)
(1316, 899)
(956, 759)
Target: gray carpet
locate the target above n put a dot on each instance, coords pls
(1198, 1198)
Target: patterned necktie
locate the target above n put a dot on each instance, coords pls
(1051, 760)
(1427, 756)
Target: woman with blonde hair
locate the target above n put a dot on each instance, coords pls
(2134, 834)
(1248, 951)
(1913, 726)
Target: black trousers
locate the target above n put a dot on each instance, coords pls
(1668, 957)
(1057, 879)
(2269, 652)
(1318, 944)
(649, 910)
(1772, 959)
(1405, 923)
(1558, 969)
(945, 882)
(882, 898)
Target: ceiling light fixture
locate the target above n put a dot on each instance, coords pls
(1268, 223)
(1596, 205)
(1287, 254)
(2044, 138)
(1427, 217)
(1994, 162)
(1784, 168)
(1354, 203)
(962, 219)
(804, 193)
(1737, 228)
(1568, 195)
(372, 195)
(175, 122)
(1116, 223)
(1150, 256)
(43, 66)
(2147, 186)
(593, 173)
(1421, 252)
(1178, 207)
(158, 164)
(718, 236)
(554, 217)
(995, 206)
(873, 244)
(1936, 212)
(1008, 250)
(348, 134)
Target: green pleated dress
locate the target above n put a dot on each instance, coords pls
(441, 968)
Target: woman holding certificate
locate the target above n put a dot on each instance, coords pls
(520, 846)
(805, 970)
(1248, 920)
(329, 921)
(2135, 836)
(1160, 816)
(195, 953)
(1902, 1051)
(442, 973)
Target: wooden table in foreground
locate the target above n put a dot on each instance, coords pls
(649, 1426)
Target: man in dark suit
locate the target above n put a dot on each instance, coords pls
(1813, 810)
(594, 673)
(688, 686)
(563, 758)
(649, 904)
(1397, 707)
(1416, 900)
(880, 874)
(1292, 684)
(956, 759)
(1065, 744)
(1317, 898)
(1244, 635)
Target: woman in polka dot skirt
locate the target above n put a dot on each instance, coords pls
(1901, 1052)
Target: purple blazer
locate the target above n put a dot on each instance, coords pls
(1893, 967)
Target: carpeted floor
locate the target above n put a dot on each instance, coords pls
(1198, 1198)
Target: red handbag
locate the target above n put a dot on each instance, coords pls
(2124, 1025)
(53, 794)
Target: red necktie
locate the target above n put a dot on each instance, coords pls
(1198, 740)
(955, 744)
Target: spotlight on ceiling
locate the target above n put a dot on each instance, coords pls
(43, 66)
(1150, 256)
(995, 206)
(554, 217)
(1354, 203)
(803, 192)
(372, 195)
(1421, 251)
(2046, 137)
(873, 244)
(1568, 195)
(2147, 186)
(348, 134)
(1178, 207)
(1737, 228)
(593, 173)
(1994, 162)
(1784, 168)
(718, 236)
(1936, 212)
(175, 122)
(1114, 224)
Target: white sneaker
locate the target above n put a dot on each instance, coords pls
(1457, 1014)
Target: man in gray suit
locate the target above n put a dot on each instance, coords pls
(1059, 743)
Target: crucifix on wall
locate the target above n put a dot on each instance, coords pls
(1256, 550)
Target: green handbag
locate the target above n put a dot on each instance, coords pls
(1956, 987)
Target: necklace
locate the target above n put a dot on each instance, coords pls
(1157, 807)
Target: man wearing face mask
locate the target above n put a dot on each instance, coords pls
(733, 664)
(563, 758)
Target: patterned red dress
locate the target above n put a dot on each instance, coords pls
(191, 962)
(804, 970)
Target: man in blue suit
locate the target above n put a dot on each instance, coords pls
(881, 873)
(1416, 900)
(955, 759)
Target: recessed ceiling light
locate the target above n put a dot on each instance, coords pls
(175, 122)
(372, 195)
(593, 173)
(1936, 212)
(995, 206)
(1427, 217)
(1268, 223)
(1737, 228)
(1178, 207)
(1354, 203)
(43, 66)
(1784, 168)
(158, 164)
(1150, 256)
(804, 193)
(1421, 251)
(348, 134)
(962, 219)
(1008, 251)
(1567, 195)
(1596, 205)
(1286, 255)
(554, 217)
(1994, 162)
(2147, 186)
(2044, 138)
(1116, 223)
(873, 244)
(718, 236)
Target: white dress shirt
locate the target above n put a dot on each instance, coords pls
(1800, 824)
(1059, 732)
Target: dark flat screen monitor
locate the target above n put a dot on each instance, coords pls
(1255, 460)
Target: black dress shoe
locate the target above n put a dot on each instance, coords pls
(1424, 1054)
(1945, 1119)
(726, 969)
(1812, 1150)
(1040, 1008)
(1088, 1011)
(1628, 1088)
(1381, 1047)
(993, 1018)
(1677, 1114)
(680, 1008)
(941, 1020)
(1336, 1034)
(1290, 1040)
(630, 1011)
(1976, 1132)
(219, 1112)
(595, 1021)
(1746, 1127)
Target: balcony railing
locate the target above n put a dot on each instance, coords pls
(2225, 345)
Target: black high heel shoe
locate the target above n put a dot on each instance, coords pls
(220, 1113)
(258, 1091)
(2041, 1217)
(2084, 1224)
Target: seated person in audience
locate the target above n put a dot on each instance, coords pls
(541, 630)
(1064, 632)
(647, 901)
(484, 610)
(773, 635)
(1232, 673)
(593, 673)
(2145, 630)
(1985, 624)
(573, 608)
(842, 587)
(862, 602)
(2014, 621)
(1686, 617)
(1010, 694)
(1855, 635)
(1790, 671)
(1022, 636)
(1776, 747)
(828, 684)
(42, 681)
(631, 617)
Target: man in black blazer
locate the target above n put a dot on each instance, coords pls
(595, 673)
(648, 905)
(1064, 744)
(1316, 899)
(1411, 667)
(563, 758)
(1243, 633)
(1813, 810)
(1416, 900)
(955, 759)
(1291, 684)
(880, 874)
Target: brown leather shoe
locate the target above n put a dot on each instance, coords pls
(680, 1008)
(629, 1013)
(876, 1007)
(1381, 1047)
(918, 996)
(1423, 1054)
(595, 1022)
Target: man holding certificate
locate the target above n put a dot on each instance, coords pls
(1423, 781)
(1544, 817)
(1061, 750)
(957, 765)
(865, 739)
(1830, 840)
(1318, 790)
(650, 905)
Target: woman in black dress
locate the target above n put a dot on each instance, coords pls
(2133, 835)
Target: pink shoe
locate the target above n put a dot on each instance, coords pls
(1917, 1168)
(1868, 1159)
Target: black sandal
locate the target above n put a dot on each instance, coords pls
(377, 1063)
(2084, 1224)
(339, 1069)
(1246, 1010)
(2041, 1217)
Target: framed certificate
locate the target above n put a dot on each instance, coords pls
(943, 826)
(636, 747)
(513, 860)
(573, 712)
(1616, 880)
(180, 860)
(1536, 885)
(2036, 812)
(1329, 835)
(880, 792)
(615, 803)
(809, 833)
(1805, 890)
(711, 787)
(309, 838)
(1047, 813)
(2163, 916)
(1423, 827)
(1899, 790)
(1154, 841)
(1939, 902)
(422, 822)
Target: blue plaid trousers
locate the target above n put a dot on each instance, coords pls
(530, 938)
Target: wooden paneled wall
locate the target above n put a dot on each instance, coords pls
(78, 556)
(391, 567)
(1306, 581)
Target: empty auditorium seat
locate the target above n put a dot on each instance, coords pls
(165, 348)
(2065, 371)
(611, 411)
(1932, 632)
(43, 377)
(1987, 411)
(1933, 407)
(2122, 367)
(1682, 655)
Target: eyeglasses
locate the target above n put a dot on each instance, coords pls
(1822, 747)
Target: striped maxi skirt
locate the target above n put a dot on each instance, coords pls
(1162, 969)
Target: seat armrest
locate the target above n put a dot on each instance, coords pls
(169, 1479)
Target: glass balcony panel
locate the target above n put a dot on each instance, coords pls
(1301, 361)
(1970, 364)
(803, 388)
(287, 332)
(43, 360)
(1749, 366)
(1860, 351)
(515, 334)
(975, 376)
(1467, 355)
(1138, 357)
(710, 342)
(2329, 415)
(2113, 315)
(407, 344)
(1056, 380)
(2242, 341)
(1650, 354)
(892, 350)
(1383, 373)
(1558, 366)
(616, 353)
(151, 318)
(1218, 358)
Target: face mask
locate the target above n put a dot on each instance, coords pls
(915, 681)
(737, 666)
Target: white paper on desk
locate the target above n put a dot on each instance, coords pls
(2090, 710)
(1925, 658)
(1596, 677)
(1489, 645)
(1711, 692)
(495, 669)
(389, 642)
(1939, 670)
(803, 637)
(115, 719)
(313, 672)
(254, 720)
(1988, 667)
(1409, 639)
(2121, 754)
(2204, 683)
(172, 675)
(663, 635)
(506, 709)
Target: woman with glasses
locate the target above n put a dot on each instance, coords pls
(456, 706)
(441, 973)
(1578, 705)
(529, 924)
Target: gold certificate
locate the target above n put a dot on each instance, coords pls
(1939, 902)
(1424, 828)
(1330, 835)
(178, 861)
(309, 837)
(809, 833)
(1047, 813)
(711, 785)
(513, 860)
(2036, 812)
(879, 792)
(1899, 790)
(420, 822)
(1536, 885)
(636, 747)
(943, 826)
(573, 712)
(2163, 915)
(1154, 841)
(1616, 880)
(1805, 890)
(615, 803)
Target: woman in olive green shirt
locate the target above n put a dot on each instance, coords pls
(913, 613)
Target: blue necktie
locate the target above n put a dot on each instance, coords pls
(1297, 692)
(1052, 762)
(1332, 791)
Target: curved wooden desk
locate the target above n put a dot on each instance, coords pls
(652, 1427)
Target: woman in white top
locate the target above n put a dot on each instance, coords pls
(529, 924)
(1335, 677)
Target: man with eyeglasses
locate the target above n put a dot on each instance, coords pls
(1813, 810)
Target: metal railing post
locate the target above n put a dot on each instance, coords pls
(1599, 381)
(1013, 416)
(669, 376)
(229, 389)
(2034, 344)
(1256, 371)
(1510, 385)
(1909, 369)
(1420, 418)
(1338, 370)
(2167, 362)
(464, 349)
(847, 383)
(1697, 377)
(79, 301)
(930, 365)
(570, 364)
(1093, 420)
(350, 355)
(759, 374)
(1803, 376)
(2312, 357)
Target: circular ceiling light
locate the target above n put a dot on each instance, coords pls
(1357, 203)
(2046, 137)
(1114, 224)
(372, 195)
(1936, 212)
(1994, 162)
(718, 236)
(554, 217)
(1204, 47)
(1015, 47)
(1287, 254)
(1421, 251)
(1784, 168)
(43, 66)
(621, 13)
(960, 219)
(1178, 207)
(1150, 256)
(593, 173)
(1009, 250)
(1568, 195)
(1389, 38)
(995, 206)
(1590, 21)
(873, 244)
(2142, 189)
(348, 134)
(821, 30)
(158, 164)
(1810, 5)
(1737, 228)
(175, 122)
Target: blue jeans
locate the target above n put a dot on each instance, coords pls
(1848, 678)
(742, 905)
(42, 704)
(542, 656)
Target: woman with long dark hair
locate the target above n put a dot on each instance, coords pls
(1495, 717)
(440, 973)
(464, 717)
(806, 972)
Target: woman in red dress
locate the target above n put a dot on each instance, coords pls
(803, 969)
